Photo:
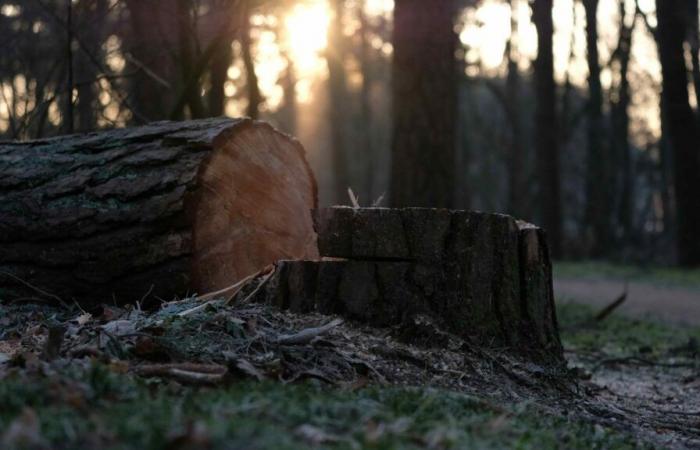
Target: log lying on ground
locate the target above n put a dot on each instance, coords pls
(485, 277)
(167, 209)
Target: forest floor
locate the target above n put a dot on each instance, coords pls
(249, 376)
(669, 295)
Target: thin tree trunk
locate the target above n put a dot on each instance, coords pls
(254, 97)
(546, 127)
(187, 57)
(218, 75)
(338, 100)
(683, 127)
(365, 103)
(620, 126)
(68, 115)
(598, 158)
(424, 104)
(516, 156)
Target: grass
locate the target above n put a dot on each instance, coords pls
(94, 405)
(618, 335)
(97, 407)
(665, 276)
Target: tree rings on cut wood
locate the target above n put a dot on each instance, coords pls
(159, 211)
(484, 277)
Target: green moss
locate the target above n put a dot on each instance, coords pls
(100, 408)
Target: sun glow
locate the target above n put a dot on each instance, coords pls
(306, 27)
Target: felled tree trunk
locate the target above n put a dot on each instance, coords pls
(485, 277)
(165, 210)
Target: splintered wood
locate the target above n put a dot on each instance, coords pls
(486, 277)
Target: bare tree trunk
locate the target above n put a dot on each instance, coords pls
(598, 180)
(620, 125)
(68, 113)
(365, 103)
(218, 75)
(424, 104)
(547, 147)
(254, 97)
(516, 154)
(338, 99)
(186, 36)
(149, 39)
(683, 127)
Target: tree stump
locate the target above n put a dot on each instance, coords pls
(484, 277)
(164, 210)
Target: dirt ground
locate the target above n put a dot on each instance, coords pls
(670, 304)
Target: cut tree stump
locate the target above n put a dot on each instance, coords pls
(164, 210)
(484, 277)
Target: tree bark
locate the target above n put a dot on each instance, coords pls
(484, 277)
(424, 104)
(546, 126)
(683, 127)
(165, 210)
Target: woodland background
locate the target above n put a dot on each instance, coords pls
(579, 115)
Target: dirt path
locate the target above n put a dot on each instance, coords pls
(670, 304)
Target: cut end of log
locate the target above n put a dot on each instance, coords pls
(253, 206)
(165, 210)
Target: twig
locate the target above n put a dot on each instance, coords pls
(605, 312)
(40, 291)
(640, 361)
(307, 335)
(265, 279)
(185, 372)
(353, 198)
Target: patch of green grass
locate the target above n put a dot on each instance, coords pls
(102, 409)
(620, 335)
(669, 276)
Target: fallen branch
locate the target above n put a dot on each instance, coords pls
(266, 278)
(185, 372)
(307, 335)
(605, 312)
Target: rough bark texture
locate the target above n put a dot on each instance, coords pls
(683, 133)
(424, 104)
(547, 147)
(166, 210)
(483, 276)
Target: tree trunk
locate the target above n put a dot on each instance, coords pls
(620, 126)
(150, 40)
(424, 104)
(484, 277)
(546, 127)
(365, 103)
(516, 150)
(169, 209)
(694, 47)
(254, 97)
(218, 75)
(683, 127)
(338, 101)
(598, 180)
